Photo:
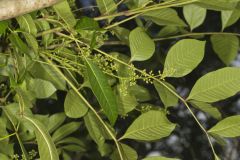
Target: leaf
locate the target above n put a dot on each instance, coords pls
(208, 108)
(141, 93)
(167, 97)
(43, 25)
(32, 42)
(27, 24)
(74, 107)
(65, 130)
(95, 128)
(194, 15)
(149, 126)
(159, 158)
(41, 88)
(141, 45)
(46, 147)
(64, 11)
(102, 90)
(55, 121)
(164, 16)
(218, 4)
(226, 47)
(3, 26)
(126, 101)
(183, 57)
(122, 34)
(46, 72)
(18, 43)
(228, 127)
(86, 23)
(229, 17)
(216, 85)
(128, 153)
(106, 6)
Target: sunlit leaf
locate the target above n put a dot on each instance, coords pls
(46, 147)
(55, 121)
(183, 57)
(164, 16)
(74, 107)
(226, 47)
(208, 108)
(65, 130)
(167, 97)
(141, 45)
(216, 85)
(102, 91)
(128, 153)
(228, 127)
(194, 15)
(152, 125)
(64, 11)
(106, 6)
(27, 24)
(229, 17)
(159, 158)
(41, 88)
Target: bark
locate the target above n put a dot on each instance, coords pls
(14, 8)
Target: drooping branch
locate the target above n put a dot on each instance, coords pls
(14, 8)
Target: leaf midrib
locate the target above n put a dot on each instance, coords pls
(44, 136)
(211, 88)
(106, 98)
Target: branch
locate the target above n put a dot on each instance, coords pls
(14, 8)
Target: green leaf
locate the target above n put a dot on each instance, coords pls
(18, 43)
(159, 158)
(3, 26)
(226, 47)
(55, 121)
(229, 17)
(46, 147)
(73, 140)
(65, 130)
(128, 153)
(27, 24)
(194, 15)
(122, 34)
(216, 85)
(137, 3)
(95, 128)
(106, 6)
(167, 97)
(46, 72)
(152, 125)
(126, 101)
(102, 90)
(64, 11)
(41, 88)
(141, 45)
(32, 42)
(228, 127)
(208, 108)
(74, 106)
(43, 25)
(218, 4)
(86, 23)
(183, 57)
(141, 93)
(164, 16)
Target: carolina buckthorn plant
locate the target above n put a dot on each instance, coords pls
(112, 86)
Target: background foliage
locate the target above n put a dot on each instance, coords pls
(128, 79)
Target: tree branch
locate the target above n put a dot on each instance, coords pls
(14, 8)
